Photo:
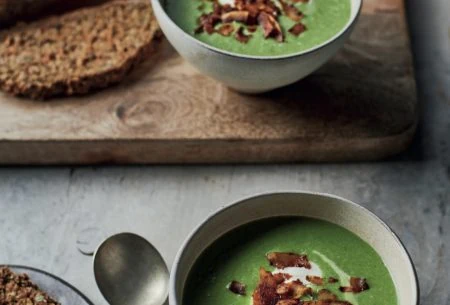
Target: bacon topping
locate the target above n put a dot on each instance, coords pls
(270, 26)
(281, 277)
(273, 289)
(239, 4)
(252, 28)
(227, 8)
(326, 295)
(241, 36)
(238, 16)
(266, 291)
(288, 302)
(332, 280)
(357, 285)
(297, 29)
(226, 30)
(249, 13)
(291, 11)
(293, 290)
(237, 287)
(319, 302)
(283, 260)
(207, 22)
(316, 280)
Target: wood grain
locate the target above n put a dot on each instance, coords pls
(360, 106)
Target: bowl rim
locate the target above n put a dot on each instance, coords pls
(223, 208)
(351, 22)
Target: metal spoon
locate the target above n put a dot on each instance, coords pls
(129, 270)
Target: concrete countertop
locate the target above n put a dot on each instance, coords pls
(44, 211)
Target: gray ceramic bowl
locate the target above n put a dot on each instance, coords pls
(252, 74)
(321, 206)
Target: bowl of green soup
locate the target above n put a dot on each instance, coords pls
(293, 249)
(255, 46)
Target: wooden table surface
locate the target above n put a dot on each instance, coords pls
(44, 211)
(361, 106)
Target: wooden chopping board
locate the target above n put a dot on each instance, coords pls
(360, 106)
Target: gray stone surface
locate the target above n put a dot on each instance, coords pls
(46, 214)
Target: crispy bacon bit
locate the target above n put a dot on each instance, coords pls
(238, 16)
(269, 7)
(288, 302)
(198, 29)
(281, 277)
(239, 4)
(270, 26)
(226, 30)
(207, 22)
(297, 29)
(291, 11)
(326, 295)
(316, 280)
(272, 289)
(332, 280)
(301, 291)
(266, 291)
(237, 287)
(227, 8)
(217, 8)
(251, 13)
(252, 28)
(293, 290)
(319, 302)
(357, 285)
(241, 36)
(283, 260)
(283, 289)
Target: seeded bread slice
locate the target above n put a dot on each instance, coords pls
(77, 52)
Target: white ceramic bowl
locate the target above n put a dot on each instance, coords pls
(252, 74)
(321, 206)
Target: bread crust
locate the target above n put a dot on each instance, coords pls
(78, 52)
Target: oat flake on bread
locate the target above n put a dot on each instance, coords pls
(77, 52)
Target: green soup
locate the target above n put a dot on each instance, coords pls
(238, 255)
(323, 19)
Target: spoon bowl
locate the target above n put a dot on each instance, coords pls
(129, 270)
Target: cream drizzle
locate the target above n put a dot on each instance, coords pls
(343, 276)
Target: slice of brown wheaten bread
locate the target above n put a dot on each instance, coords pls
(77, 52)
